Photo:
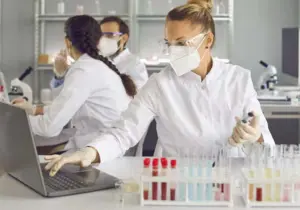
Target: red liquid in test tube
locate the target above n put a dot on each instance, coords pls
(164, 164)
(259, 194)
(146, 172)
(173, 186)
(154, 173)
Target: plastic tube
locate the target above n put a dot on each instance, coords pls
(154, 173)
(209, 162)
(146, 172)
(164, 164)
(173, 184)
(200, 174)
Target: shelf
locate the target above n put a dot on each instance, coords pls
(150, 67)
(57, 17)
(163, 18)
(44, 67)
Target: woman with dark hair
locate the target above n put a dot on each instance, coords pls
(94, 94)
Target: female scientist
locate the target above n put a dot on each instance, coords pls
(94, 94)
(196, 102)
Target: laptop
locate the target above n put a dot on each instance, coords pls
(20, 160)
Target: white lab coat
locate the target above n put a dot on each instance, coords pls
(189, 112)
(93, 96)
(128, 63)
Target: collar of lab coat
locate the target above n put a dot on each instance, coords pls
(125, 53)
(192, 78)
(78, 62)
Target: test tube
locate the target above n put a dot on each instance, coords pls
(296, 167)
(164, 164)
(260, 174)
(287, 170)
(209, 161)
(173, 184)
(191, 168)
(227, 165)
(146, 172)
(154, 174)
(182, 191)
(277, 172)
(219, 175)
(200, 174)
(251, 175)
(268, 172)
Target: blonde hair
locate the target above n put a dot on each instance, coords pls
(207, 4)
(197, 12)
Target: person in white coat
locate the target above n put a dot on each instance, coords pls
(113, 44)
(197, 101)
(94, 93)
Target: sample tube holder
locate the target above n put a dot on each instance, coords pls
(215, 180)
(279, 186)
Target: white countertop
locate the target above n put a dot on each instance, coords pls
(16, 196)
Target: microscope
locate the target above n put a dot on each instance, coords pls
(268, 79)
(20, 88)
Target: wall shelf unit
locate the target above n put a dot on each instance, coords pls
(132, 11)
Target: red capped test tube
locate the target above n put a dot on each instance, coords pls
(164, 170)
(173, 185)
(154, 174)
(146, 172)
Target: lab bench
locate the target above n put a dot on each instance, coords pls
(14, 195)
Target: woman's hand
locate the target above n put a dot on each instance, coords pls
(61, 64)
(83, 157)
(24, 104)
(246, 132)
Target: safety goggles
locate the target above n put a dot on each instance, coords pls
(112, 34)
(195, 41)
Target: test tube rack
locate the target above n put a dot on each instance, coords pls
(274, 191)
(190, 184)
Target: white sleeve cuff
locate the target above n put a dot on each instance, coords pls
(107, 147)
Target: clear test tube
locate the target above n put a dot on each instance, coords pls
(277, 172)
(259, 175)
(252, 171)
(219, 175)
(200, 186)
(227, 167)
(296, 166)
(287, 173)
(182, 174)
(209, 185)
(268, 172)
(192, 172)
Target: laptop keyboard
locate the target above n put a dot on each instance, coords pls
(61, 182)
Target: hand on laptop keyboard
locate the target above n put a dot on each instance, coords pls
(83, 157)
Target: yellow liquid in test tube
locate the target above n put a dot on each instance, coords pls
(277, 188)
(268, 174)
(251, 187)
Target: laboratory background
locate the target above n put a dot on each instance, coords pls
(247, 32)
(260, 35)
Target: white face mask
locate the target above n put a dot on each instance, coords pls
(184, 59)
(108, 46)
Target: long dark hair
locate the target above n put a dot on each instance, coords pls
(84, 33)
